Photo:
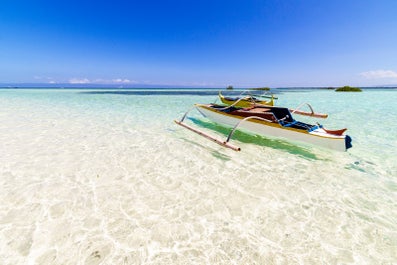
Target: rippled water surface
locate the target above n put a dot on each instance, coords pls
(107, 177)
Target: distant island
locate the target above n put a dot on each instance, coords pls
(255, 88)
(261, 88)
(348, 89)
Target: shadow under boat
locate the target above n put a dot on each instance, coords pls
(256, 139)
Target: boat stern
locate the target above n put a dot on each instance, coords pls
(348, 142)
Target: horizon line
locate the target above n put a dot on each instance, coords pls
(159, 86)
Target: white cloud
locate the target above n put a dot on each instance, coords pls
(379, 74)
(47, 79)
(101, 81)
(120, 80)
(79, 81)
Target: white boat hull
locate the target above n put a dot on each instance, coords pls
(317, 137)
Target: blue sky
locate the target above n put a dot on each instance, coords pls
(203, 43)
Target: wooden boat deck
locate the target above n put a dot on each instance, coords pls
(265, 113)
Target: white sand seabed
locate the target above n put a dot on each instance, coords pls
(79, 189)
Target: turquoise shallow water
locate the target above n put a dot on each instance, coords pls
(105, 177)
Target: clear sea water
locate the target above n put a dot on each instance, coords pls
(106, 177)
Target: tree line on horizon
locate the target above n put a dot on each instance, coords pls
(339, 89)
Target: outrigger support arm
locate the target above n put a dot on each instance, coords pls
(301, 105)
(238, 124)
(184, 116)
(312, 113)
(264, 95)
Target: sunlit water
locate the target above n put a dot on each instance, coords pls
(109, 178)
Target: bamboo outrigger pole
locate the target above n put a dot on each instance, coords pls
(216, 140)
(220, 142)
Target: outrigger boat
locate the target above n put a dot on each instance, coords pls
(245, 101)
(270, 121)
